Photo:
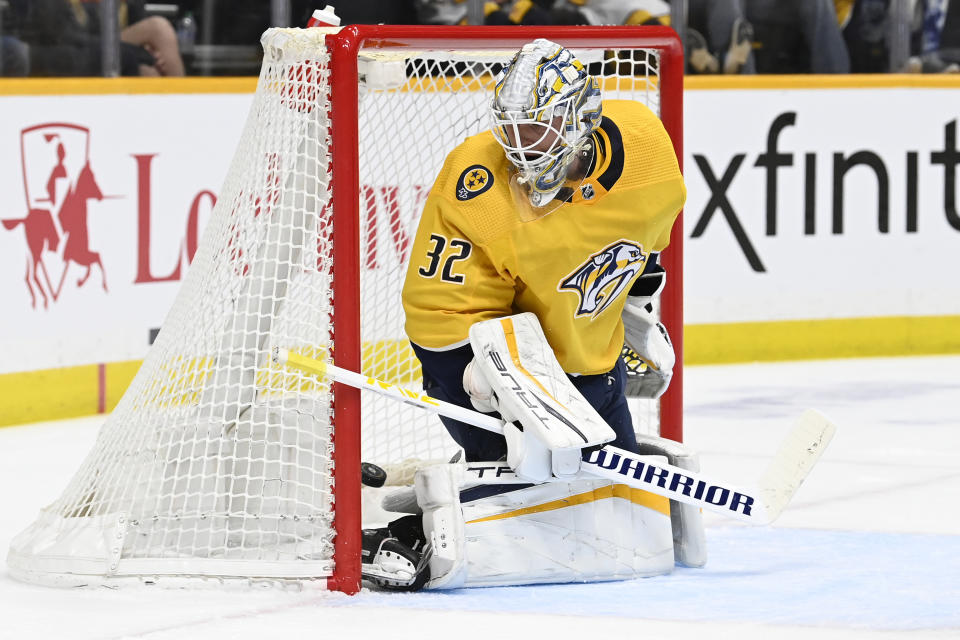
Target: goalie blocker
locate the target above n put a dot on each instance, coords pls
(547, 422)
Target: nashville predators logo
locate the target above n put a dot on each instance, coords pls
(605, 276)
(473, 181)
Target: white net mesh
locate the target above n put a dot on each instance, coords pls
(215, 462)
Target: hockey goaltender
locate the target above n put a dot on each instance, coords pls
(536, 259)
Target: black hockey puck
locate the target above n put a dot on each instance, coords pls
(372, 475)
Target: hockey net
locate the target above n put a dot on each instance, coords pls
(218, 464)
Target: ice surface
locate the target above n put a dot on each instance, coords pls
(869, 548)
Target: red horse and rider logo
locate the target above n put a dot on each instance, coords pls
(59, 184)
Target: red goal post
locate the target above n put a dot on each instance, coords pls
(218, 464)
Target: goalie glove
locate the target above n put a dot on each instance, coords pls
(650, 340)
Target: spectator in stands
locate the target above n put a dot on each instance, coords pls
(950, 36)
(797, 36)
(726, 47)
(935, 37)
(14, 52)
(14, 57)
(65, 39)
(153, 34)
(718, 37)
(650, 12)
(497, 12)
(518, 12)
(865, 25)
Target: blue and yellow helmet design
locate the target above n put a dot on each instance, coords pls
(545, 105)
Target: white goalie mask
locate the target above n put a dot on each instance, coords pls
(545, 106)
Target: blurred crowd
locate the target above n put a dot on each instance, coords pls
(220, 37)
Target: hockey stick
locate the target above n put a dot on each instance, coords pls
(784, 474)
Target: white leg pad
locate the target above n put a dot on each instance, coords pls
(438, 494)
(564, 531)
(689, 537)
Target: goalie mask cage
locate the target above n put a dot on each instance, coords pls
(218, 464)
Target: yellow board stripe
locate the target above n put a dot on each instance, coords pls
(204, 85)
(113, 86)
(622, 491)
(119, 375)
(820, 339)
(838, 81)
(56, 394)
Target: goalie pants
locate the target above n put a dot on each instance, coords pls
(442, 379)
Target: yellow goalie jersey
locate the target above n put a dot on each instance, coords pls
(474, 258)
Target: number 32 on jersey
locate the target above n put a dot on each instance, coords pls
(443, 256)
